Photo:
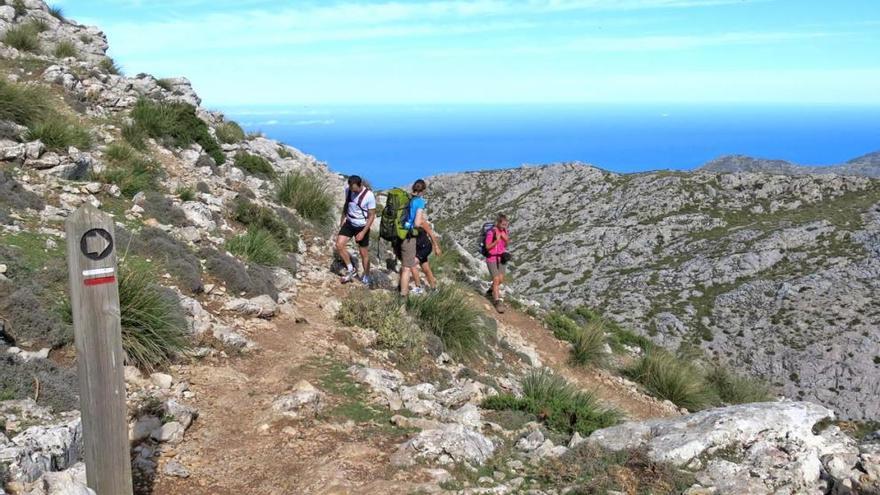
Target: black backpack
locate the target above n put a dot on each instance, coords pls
(484, 233)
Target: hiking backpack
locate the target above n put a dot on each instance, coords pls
(484, 234)
(395, 215)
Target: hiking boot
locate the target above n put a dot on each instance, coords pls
(349, 276)
(417, 291)
(499, 306)
(366, 280)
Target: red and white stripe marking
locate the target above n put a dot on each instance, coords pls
(99, 276)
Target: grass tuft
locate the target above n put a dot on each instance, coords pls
(153, 325)
(562, 407)
(24, 105)
(20, 7)
(384, 314)
(178, 123)
(308, 195)
(185, 193)
(255, 216)
(165, 84)
(129, 170)
(110, 66)
(24, 38)
(253, 164)
(447, 314)
(57, 12)
(588, 345)
(230, 133)
(257, 246)
(667, 377)
(65, 49)
(60, 133)
(735, 389)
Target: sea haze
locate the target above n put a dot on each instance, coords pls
(394, 145)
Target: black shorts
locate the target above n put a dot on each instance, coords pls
(424, 248)
(350, 231)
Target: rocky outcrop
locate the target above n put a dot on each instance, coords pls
(863, 166)
(772, 274)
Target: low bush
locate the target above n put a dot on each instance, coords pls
(130, 170)
(25, 37)
(185, 193)
(22, 104)
(29, 317)
(384, 314)
(109, 66)
(177, 123)
(308, 195)
(588, 345)
(19, 7)
(250, 281)
(157, 206)
(260, 217)
(230, 132)
(57, 12)
(170, 254)
(731, 388)
(165, 84)
(65, 49)
(667, 377)
(589, 469)
(13, 195)
(135, 136)
(153, 324)
(562, 407)
(256, 246)
(563, 327)
(18, 380)
(59, 133)
(447, 314)
(253, 164)
(283, 152)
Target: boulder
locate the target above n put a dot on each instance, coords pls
(451, 443)
(141, 429)
(260, 306)
(304, 401)
(169, 433)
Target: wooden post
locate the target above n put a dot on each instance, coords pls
(94, 297)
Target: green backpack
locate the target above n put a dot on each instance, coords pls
(394, 216)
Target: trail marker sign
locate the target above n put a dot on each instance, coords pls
(94, 299)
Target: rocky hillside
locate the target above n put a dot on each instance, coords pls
(863, 166)
(772, 274)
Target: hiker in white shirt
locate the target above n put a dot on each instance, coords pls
(358, 216)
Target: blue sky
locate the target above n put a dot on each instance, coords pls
(257, 52)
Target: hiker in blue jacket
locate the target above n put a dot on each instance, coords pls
(409, 247)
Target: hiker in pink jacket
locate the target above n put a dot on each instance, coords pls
(496, 246)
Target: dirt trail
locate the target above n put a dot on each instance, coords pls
(238, 446)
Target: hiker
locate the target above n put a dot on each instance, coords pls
(426, 243)
(496, 240)
(358, 216)
(415, 221)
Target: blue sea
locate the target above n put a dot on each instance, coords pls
(394, 145)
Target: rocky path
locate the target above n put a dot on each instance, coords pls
(240, 445)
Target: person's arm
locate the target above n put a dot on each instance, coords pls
(434, 241)
(420, 218)
(494, 240)
(344, 210)
(366, 230)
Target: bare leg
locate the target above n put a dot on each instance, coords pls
(342, 249)
(429, 275)
(417, 279)
(404, 281)
(496, 286)
(365, 259)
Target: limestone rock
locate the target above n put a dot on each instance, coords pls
(304, 401)
(446, 445)
(260, 306)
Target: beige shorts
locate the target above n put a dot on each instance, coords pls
(496, 268)
(408, 253)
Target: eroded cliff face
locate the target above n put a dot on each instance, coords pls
(774, 274)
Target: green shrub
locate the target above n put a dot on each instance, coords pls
(308, 195)
(561, 406)
(230, 133)
(257, 246)
(254, 164)
(178, 123)
(588, 345)
(135, 136)
(65, 49)
(20, 7)
(252, 215)
(667, 377)
(153, 325)
(57, 12)
(735, 389)
(185, 193)
(165, 84)
(24, 105)
(38, 25)
(563, 327)
(384, 314)
(447, 314)
(109, 66)
(23, 38)
(129, 170)
(85, 38)
(283, 152)
(60, 133)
